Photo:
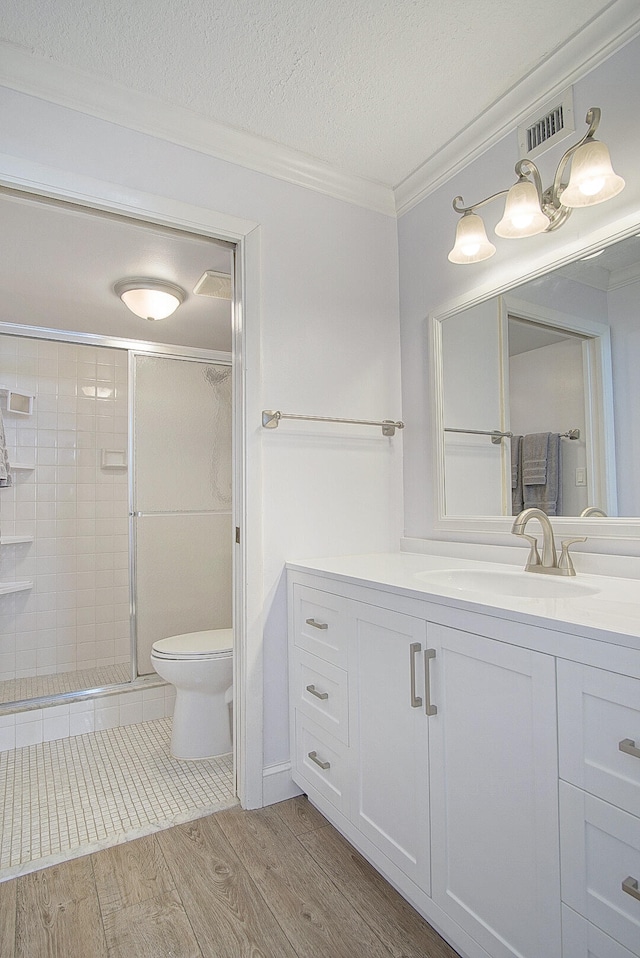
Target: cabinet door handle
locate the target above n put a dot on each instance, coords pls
(414, 648)
(317, 625)
(428, 707)
(314, 758)
(629, 746)
(630, 885)
(318, 695)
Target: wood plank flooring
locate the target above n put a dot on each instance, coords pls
(279, 882)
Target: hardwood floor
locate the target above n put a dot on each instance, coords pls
(275, 883)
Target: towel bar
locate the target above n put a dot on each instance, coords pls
(272, 417)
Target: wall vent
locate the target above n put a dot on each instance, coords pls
(554, 123)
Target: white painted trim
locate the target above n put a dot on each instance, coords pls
(278, 785)
(565, 65)
(77, 90)
(248, 655)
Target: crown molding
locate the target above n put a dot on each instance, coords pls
(80, 91)
(590, 46)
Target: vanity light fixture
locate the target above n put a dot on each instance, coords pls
(149, 298)
(529, 209)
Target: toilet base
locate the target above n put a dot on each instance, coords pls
(201, 729)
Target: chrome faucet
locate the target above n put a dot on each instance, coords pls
(549, 563)
(592, 511)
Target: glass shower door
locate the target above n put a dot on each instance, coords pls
(181, 499)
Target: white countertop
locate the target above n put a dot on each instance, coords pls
(611, 613)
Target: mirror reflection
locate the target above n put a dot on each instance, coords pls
(539, 393)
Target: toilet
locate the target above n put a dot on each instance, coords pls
(200, 666)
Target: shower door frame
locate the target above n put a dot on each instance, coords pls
(42, 181)
(213, 357)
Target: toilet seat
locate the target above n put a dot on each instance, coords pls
(208, 644)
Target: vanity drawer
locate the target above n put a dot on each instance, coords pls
(581, 939)
(599, 733)
(320, 762)
(600, 852)
(320, 691)
(320, 624)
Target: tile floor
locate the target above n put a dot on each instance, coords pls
(37, 686)
(66, 798)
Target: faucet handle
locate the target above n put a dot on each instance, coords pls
(534, 555)
(566, 563)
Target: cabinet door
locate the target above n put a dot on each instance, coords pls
(494, 793)
(390, 800)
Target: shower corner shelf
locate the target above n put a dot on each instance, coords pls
(18, 402)
(14, 540)
(27, 466)
(6, 588)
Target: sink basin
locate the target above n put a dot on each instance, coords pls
(525, 584)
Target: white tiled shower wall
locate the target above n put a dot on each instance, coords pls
(76, 616)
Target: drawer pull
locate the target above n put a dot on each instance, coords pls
(428, 707)
(414, 648)
(317, 625)
(314, 758)
(630, 885)
(318, 695)
(629, 746)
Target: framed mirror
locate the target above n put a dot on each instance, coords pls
(554, 355)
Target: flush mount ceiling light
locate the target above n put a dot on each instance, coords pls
(149, 298)
(529, 209)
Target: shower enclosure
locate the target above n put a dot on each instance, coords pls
(116, 529)
(181, 517)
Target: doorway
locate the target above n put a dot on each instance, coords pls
(61, 316)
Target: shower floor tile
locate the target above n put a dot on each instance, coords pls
(63, 799)
(37, 686)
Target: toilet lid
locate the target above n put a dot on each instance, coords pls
(195, 645)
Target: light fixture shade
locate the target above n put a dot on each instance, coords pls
(150, 298)
(522, 213)
(592, 177)
(471, 245)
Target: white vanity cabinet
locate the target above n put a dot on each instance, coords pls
(446, 776)
(494, 792)
(390, 743)
(599, 748)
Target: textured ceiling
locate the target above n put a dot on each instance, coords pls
(374, 87)
(59, 270)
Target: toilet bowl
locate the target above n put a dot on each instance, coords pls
(200, 666)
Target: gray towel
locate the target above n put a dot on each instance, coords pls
(546, 496)
(535, 451)
(517, 501)
(5, 475)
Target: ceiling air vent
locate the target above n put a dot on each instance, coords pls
(553, 124)
(215, 284)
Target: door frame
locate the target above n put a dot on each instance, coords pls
(42, 181)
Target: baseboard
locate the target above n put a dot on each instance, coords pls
(277, 784)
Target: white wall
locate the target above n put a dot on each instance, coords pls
(329, 346)
(426, 233)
